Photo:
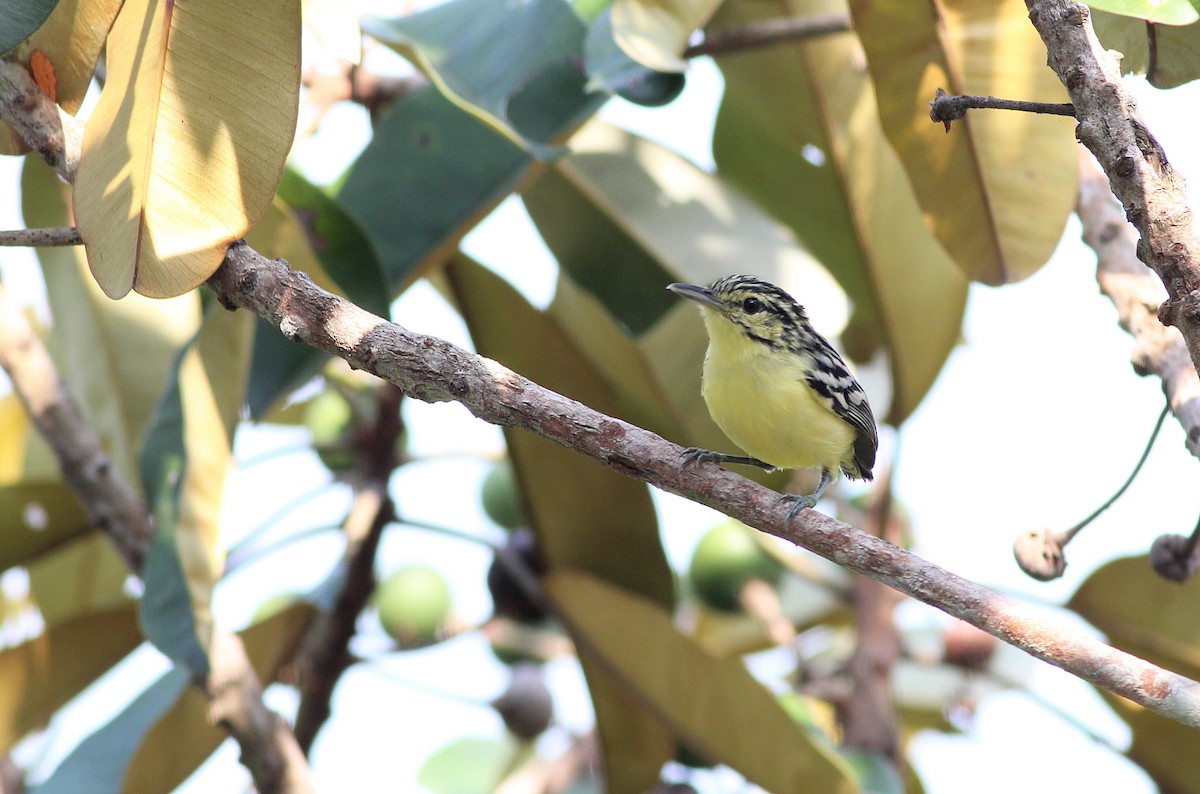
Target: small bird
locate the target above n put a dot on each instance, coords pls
(777, 388)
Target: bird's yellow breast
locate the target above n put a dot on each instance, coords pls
(758, 396)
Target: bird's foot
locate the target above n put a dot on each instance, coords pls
(694, 454)
(801, 503)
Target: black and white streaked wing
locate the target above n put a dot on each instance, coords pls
(830, 378)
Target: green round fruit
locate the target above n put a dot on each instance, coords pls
(328, 417)
(500, 497)
(725, 559)
(413, 605)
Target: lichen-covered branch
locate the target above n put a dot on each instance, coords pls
(431, 369)
(1153, 195)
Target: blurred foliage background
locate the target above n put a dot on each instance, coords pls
(829, 180)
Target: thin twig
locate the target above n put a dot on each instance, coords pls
(767, 32)
(433, 370)
(54, 237)
(952, 107)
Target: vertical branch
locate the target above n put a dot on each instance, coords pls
(1136, 293)
(325, 654)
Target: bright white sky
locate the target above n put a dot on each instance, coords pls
(1036, 419)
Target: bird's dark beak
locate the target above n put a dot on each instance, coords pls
(702, 295)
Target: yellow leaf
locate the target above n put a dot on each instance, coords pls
(39, 676)
(212, 385)
(997, 190)
(187, 143)
(712, 703)
(115, 356)
(655, 32)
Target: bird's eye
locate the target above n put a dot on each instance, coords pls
(752, 305)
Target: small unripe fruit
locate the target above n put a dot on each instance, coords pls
(500, 497)
(726, 558)
(413, 605)
(329, 417)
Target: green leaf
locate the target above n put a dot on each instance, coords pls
(1177, 49)
(422, 140)
(998, 219)
(340, 244)
(586, 516)
(609, 67)
(530, 92)
(41, 675)
(83, 577)
(1162, 12)
(184, 736)
(656, 32)
(686, 687)
(1155, 745)
(469, 764)
(98, 764)
(115, 356)
(18, 20)
(278, 367)
(798, 131)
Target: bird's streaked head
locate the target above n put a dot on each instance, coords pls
(760, 310)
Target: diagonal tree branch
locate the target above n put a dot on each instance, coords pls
(1152, 193)
(433, 370)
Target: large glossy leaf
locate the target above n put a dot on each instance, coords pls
(530, 92)
(626, 216)
(999, 218)
(430, 173)
(713, 704)
(185, 461)
(1176, 49)
(184, 736)
(339, 244)
(186, 145)
(586, 516)
(114, 355)
(798, 131)
(19, 20)
(39, 676)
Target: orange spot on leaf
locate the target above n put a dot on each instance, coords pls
(43, 74)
